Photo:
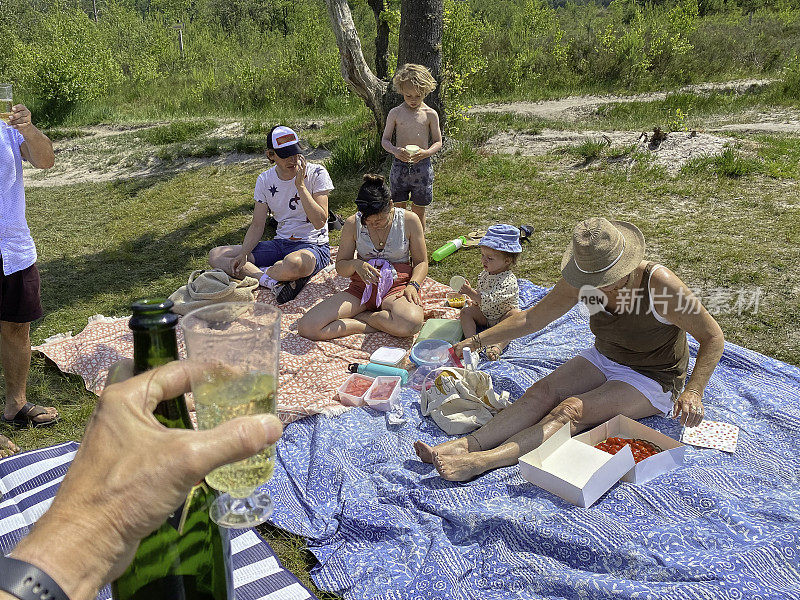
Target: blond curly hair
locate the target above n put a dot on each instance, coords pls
(417, 75)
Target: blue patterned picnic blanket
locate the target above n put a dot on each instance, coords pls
(383, 525)
(28, 483)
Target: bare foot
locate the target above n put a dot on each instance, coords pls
(427, 453)
(7, 447)
(463, 467)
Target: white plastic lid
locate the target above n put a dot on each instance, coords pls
(387, 355)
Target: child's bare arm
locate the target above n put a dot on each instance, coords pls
(386, 139)
(436, 135)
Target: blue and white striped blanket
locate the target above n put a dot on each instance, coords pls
(29, 481)
(383, 525)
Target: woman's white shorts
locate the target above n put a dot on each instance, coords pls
(614, 371)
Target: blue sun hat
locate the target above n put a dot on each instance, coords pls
(502, 237)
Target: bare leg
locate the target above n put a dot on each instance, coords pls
(15, 355)
(332, 318)
(222, 257)
(300, 263)
(397, 204)
(397, 316)
(581, 411)
(295, 265)
(471, 317)
(575, 376)
(420, 212)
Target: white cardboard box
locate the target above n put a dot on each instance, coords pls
(622, 426)
(577, 472)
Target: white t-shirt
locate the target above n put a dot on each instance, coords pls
(282, 198)
(16, 243)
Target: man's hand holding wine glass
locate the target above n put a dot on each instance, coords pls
(129, 474)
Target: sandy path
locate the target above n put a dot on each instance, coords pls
(574, 107)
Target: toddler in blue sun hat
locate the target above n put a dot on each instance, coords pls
(497, 296)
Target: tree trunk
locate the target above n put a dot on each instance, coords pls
(421, 26)
(355, 70)
(381, 38)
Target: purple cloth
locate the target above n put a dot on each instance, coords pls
(384, 282)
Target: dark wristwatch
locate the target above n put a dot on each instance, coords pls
(415, 284)
(27, 582)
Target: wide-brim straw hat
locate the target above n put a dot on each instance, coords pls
(602, 252)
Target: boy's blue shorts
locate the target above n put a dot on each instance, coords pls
(267, 253)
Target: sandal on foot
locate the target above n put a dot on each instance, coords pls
(26, 415)
(7, 447)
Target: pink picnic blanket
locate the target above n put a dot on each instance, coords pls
(310, 372)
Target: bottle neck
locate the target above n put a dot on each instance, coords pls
(155, 344)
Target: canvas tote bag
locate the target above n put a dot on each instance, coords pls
(212, 286)
(460, 400)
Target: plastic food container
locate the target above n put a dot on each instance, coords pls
(433, 353)
(428, 355)
(384, 393)
(456, 300)
(388, 355)
(352, 391)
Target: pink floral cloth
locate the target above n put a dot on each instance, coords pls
(310, 372)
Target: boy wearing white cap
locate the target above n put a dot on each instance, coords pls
(296, 193)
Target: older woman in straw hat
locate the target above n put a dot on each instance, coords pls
(640, 314)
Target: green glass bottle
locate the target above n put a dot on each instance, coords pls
(188, 557)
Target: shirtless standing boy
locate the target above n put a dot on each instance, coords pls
(416, 127)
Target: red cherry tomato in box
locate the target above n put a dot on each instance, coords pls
(641, 449)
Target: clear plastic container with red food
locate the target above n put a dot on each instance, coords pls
(352, 391)
(384, 393)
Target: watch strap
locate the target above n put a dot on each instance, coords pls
(27, 582)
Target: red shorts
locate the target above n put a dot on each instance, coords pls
(19, 295)
(357, 285)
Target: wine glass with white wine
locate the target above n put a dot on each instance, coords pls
(236, 346)
(6, 101)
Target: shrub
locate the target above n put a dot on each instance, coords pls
(791, 78)
(352, 155)
(66, 64)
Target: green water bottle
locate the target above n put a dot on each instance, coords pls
(188, 557)
(449, 248)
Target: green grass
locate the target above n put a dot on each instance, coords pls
(687, 111)
(589, 151)
(728, 164)
(175, 132)
(719, 225)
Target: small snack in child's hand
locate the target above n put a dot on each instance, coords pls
(457, 282)
(641, 449)
(356, 386)
(383, 390)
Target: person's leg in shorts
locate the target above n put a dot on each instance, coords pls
(649, 388)
(421, 184)
(20, 304)
(288, 265)
(398, 182)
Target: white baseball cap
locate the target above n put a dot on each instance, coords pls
(283, 141)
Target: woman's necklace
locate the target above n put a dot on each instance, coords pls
(388, 227)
